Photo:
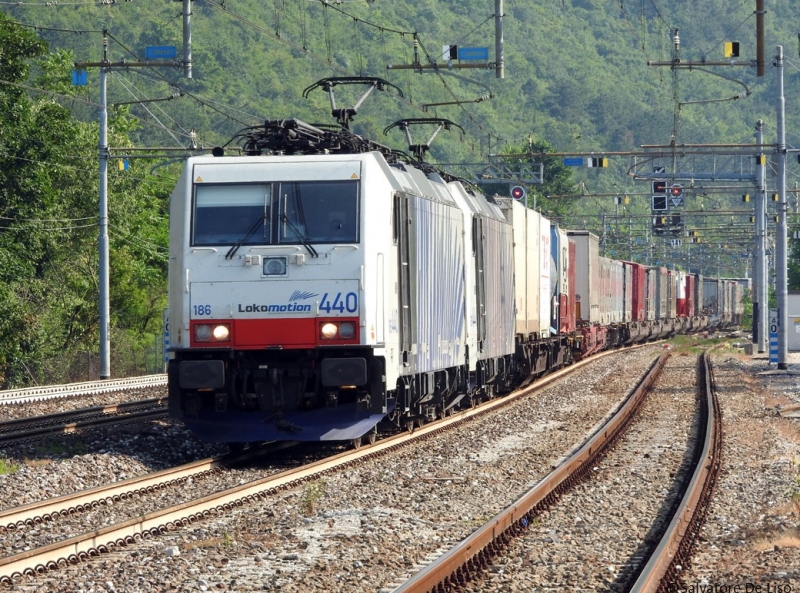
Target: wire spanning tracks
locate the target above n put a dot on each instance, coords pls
(88, 545)
(453, 570)
(68, 422)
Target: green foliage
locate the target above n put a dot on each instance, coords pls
(577, 80)
(312, 492)
(59, 448)
(794, 264)
(7, 467)
(48, 229)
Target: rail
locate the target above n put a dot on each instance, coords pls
(88, 545)
(16, 396)
(676, 544)
(474, 553)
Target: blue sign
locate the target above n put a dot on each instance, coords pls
(473, 53)
(80, 77)
(773, 335)
(160, 52)
(573, 162)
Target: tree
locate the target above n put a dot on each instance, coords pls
(557, 178)
(49, 315)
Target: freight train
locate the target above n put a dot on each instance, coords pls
(321, 283)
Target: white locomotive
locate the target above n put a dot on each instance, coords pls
(322, 283)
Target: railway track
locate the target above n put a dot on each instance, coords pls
(33, 394)
(657, 563)
(37, 427)
(87, 545)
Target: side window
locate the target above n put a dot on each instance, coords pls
(227, 214)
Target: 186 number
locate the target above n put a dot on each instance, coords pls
(202, 310)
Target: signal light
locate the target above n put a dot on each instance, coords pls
(659, 203)
(731, 49)
(659, 187)
(518, 192)
(676, 191)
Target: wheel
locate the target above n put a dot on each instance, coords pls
(356, 443)
(410, 426)
(371, 437)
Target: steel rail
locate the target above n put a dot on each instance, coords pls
(474, 553)
(675, 545)
(88, 545)
(71, 427)
(16, 396)
(58, 416)
(51, 509)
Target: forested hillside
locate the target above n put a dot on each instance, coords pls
(576, 80)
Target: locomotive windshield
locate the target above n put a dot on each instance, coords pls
(227, 214)
(299, 213)
(319, 212)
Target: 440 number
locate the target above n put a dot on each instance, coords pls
(348, 302)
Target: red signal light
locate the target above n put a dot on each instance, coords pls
(518, 192)
(676, 190)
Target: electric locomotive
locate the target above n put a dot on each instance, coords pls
(324, 282)
(320, 283)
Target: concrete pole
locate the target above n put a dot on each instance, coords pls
(102, 241)
(760, 305)
(499, 55)
(781, 259)
(187, 38)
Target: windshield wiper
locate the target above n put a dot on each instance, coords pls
(303, 238)
(235, 247)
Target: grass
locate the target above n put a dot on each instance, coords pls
(312, 492)
(7, 467)
(67, 448)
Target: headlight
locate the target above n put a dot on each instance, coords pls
(328, 331)
(337, 330)
(347, 330)
(207, 332)
(274, 266)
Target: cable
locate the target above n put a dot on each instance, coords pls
(277, 38)
(17, 219)
(56, 29)
(146, 108)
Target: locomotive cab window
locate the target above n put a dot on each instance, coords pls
(232, 213)
(318, 212)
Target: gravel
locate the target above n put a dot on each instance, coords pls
(366, 527)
